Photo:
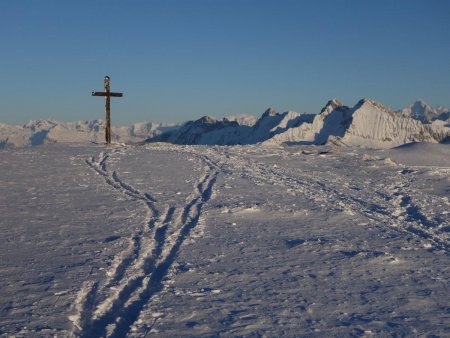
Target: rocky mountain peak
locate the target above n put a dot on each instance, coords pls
(206, 120)
(331, 105)
(424, 112)
(270, 112)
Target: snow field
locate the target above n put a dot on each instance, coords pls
(163, 240)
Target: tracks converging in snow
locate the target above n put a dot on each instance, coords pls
(111, 307)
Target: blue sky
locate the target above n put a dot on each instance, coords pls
(179, 60)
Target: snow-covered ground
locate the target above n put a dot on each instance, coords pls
(164, 241)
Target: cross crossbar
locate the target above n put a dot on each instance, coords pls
(105, 94)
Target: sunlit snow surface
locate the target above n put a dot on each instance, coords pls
(168, 241)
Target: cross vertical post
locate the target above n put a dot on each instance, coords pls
(107, 111)
(107, 94)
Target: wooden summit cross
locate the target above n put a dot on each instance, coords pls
(107, 94)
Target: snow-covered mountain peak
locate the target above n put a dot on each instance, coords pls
(211, 123)
(424, 112)
(242, 119)
(369, 102)
(331, 105)
(40, 124)
(367, 124)
(372, 104)
(442, 109)
(206, 120)
(421, 104)
(420, 107)
(270, 112)
(374, 125)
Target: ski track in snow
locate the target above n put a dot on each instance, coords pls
(395, 205)
(137, 273)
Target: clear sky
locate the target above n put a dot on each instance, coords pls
(179, 60)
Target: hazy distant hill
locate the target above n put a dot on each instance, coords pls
(38, 132)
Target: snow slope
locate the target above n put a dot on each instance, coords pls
(37, 132)
(421, 155)
(162, 240)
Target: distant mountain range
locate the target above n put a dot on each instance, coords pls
(37, 132)
(367, 124)
(422, 111)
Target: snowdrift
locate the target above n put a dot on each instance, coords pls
(421, 155)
